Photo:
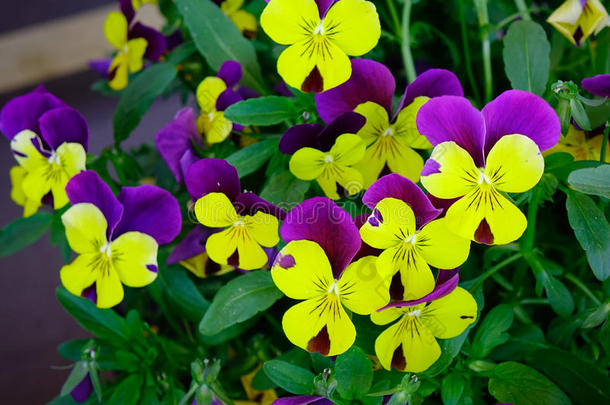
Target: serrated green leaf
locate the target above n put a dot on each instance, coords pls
(23, 232)
(251, 158)
(527, 56)
(263, 111)
(592, 231)
(492, 331)
(595, 181)
(293, 379)
(239, 300)
(354, 373)
(517, 383)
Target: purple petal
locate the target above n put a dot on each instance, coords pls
(101, 66)
(300, 136)
(446, 281)
(432, 83)
(64, 124)
(442, 204)
(598, 85)
(452, 118)
(230, 73)
(395, 186)
(212, 175)
(301, 400)
(151, 210)
(88, 187)
(347, 123)
(186, 161)
(227, 98)
(173, 40)
(249, 203)
(322, 221)
(370, 81)
(247, 93)
(126, 7)
(282, 89)
(520, 112)
(174, 140)
(323, 6)
(192, 244)
(23, 111)
(365, 249)
(156, 41)
(83, 390)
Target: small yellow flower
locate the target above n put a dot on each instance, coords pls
(578, 145)
(578, 19)
(245, 22)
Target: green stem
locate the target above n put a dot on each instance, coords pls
(466, 49)
(494, 270)
(394, 16)
(527, 243)
(185, 399)
(602, 155)
(591, 56)
(534, 301)
(407, 57)
(483, 16)
(583, 288)
(523, 11)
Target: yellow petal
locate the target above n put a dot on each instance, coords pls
(85, 228)
(251, 254)
(319, 325)
(109, 289)
(514, 164)
(328, 182)
(115, 29)
(415, 274)
(25, 152)
(404, 160)
(440, 247)
(221, 245)
(215, 210)
(449, 316)
(372, 164)
(405, 127)
(387, 315)
(58, 189)
(230, 6)
(135, 52)
(457, 174)
(263, 228)
(302, 270)
(353, 25)
(333, 64)
(361, 288)
(72, 158)
(79, 274)
(391, 222)
(245, 22)
(119, 66)
(17, 174)
(348, 150)
(202, 267)
(348, 178)
(207, 93)
(377, 121)
(215, 126)
(307, 163)
(288, 21)
(134, 257)
(296, 63)
(36, 183)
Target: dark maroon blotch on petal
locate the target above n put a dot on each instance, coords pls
(320, 343)
(483, 233)
(314, 82)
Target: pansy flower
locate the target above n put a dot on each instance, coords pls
(578, 19)
(49, 140)
(390, 139)
(133, 43)
(314, 266)
(581, 145)
(116, 238)
(404, 224)
(303, 400)
(245, 21)
(410, 343)
(320, 35)
(478, 156)
(327, 154)
(244, 223)
(598, 85)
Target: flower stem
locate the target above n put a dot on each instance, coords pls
(466, 49)
(602, 155)
(394, 16)
(407, 57)
(494, 270)
(583, 287)
(527, 243)
(483, 16)
(522, 7)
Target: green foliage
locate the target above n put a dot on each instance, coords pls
(293, 379)
(354, 373)
(594, 181)
(251, 158)
(268, 110)
(23, 232)
(492, 331)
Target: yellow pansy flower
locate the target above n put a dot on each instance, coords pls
(578, 19)
(244, 21)
(578, 145)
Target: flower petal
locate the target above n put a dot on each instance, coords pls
(62, 125)
(109, 289)
(361, 287)
(115, 29)
(405, 161)
(450, 172)
(134, 257)
(212, 175)
(249, 204)
(263, 228)
(440, 247)
(432, 83)
(215, 210)
(307, 163)
(174, 140)
(353, 25)
(23, 146)
(347, 150)
(85, 228)
(192, 244)
(155, 40)
(450, 315)
(230, 72)
(226, 99)
(347, 123)
(207, 93)
(598, 85)
(446, 281)
(391, 222)
(300, 136)
(221, 245)
(283, 20)
(405, 127)
(79, 274)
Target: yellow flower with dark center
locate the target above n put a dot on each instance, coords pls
(578, 19)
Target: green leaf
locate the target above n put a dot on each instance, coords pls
(182, 292)
(592, 231)
(558, 294)
(452, 388)
(268, 110)
(492, 331)
(581, 380)
(293, 379)
(218, 39)
(58, 237)
(251, 158)
(580, 114)
(594, 181)
(519, 384)
(527, 57)
(239, 300)
(104, 323)
(23, 232)
(285, 189)
(78, 373)
(354, 373)
(127, 392)
(73, 349)
(138, 96)
(603, 52)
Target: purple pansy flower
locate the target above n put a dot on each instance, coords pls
(116, 237)
(49, 140)
(389, 137)
(477, 155)
(598, 85)
(303, 400)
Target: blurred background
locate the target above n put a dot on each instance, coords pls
(50, 42)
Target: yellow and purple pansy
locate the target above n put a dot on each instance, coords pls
(582, 145)
(244, 21)
(405, 226)
(578, 19)
(243, 223)
(410, 343)
(479, 155)
(389, 138)
(116, 238)
(49, 140)
(314, 267)
(320, 35)
(327, 154)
